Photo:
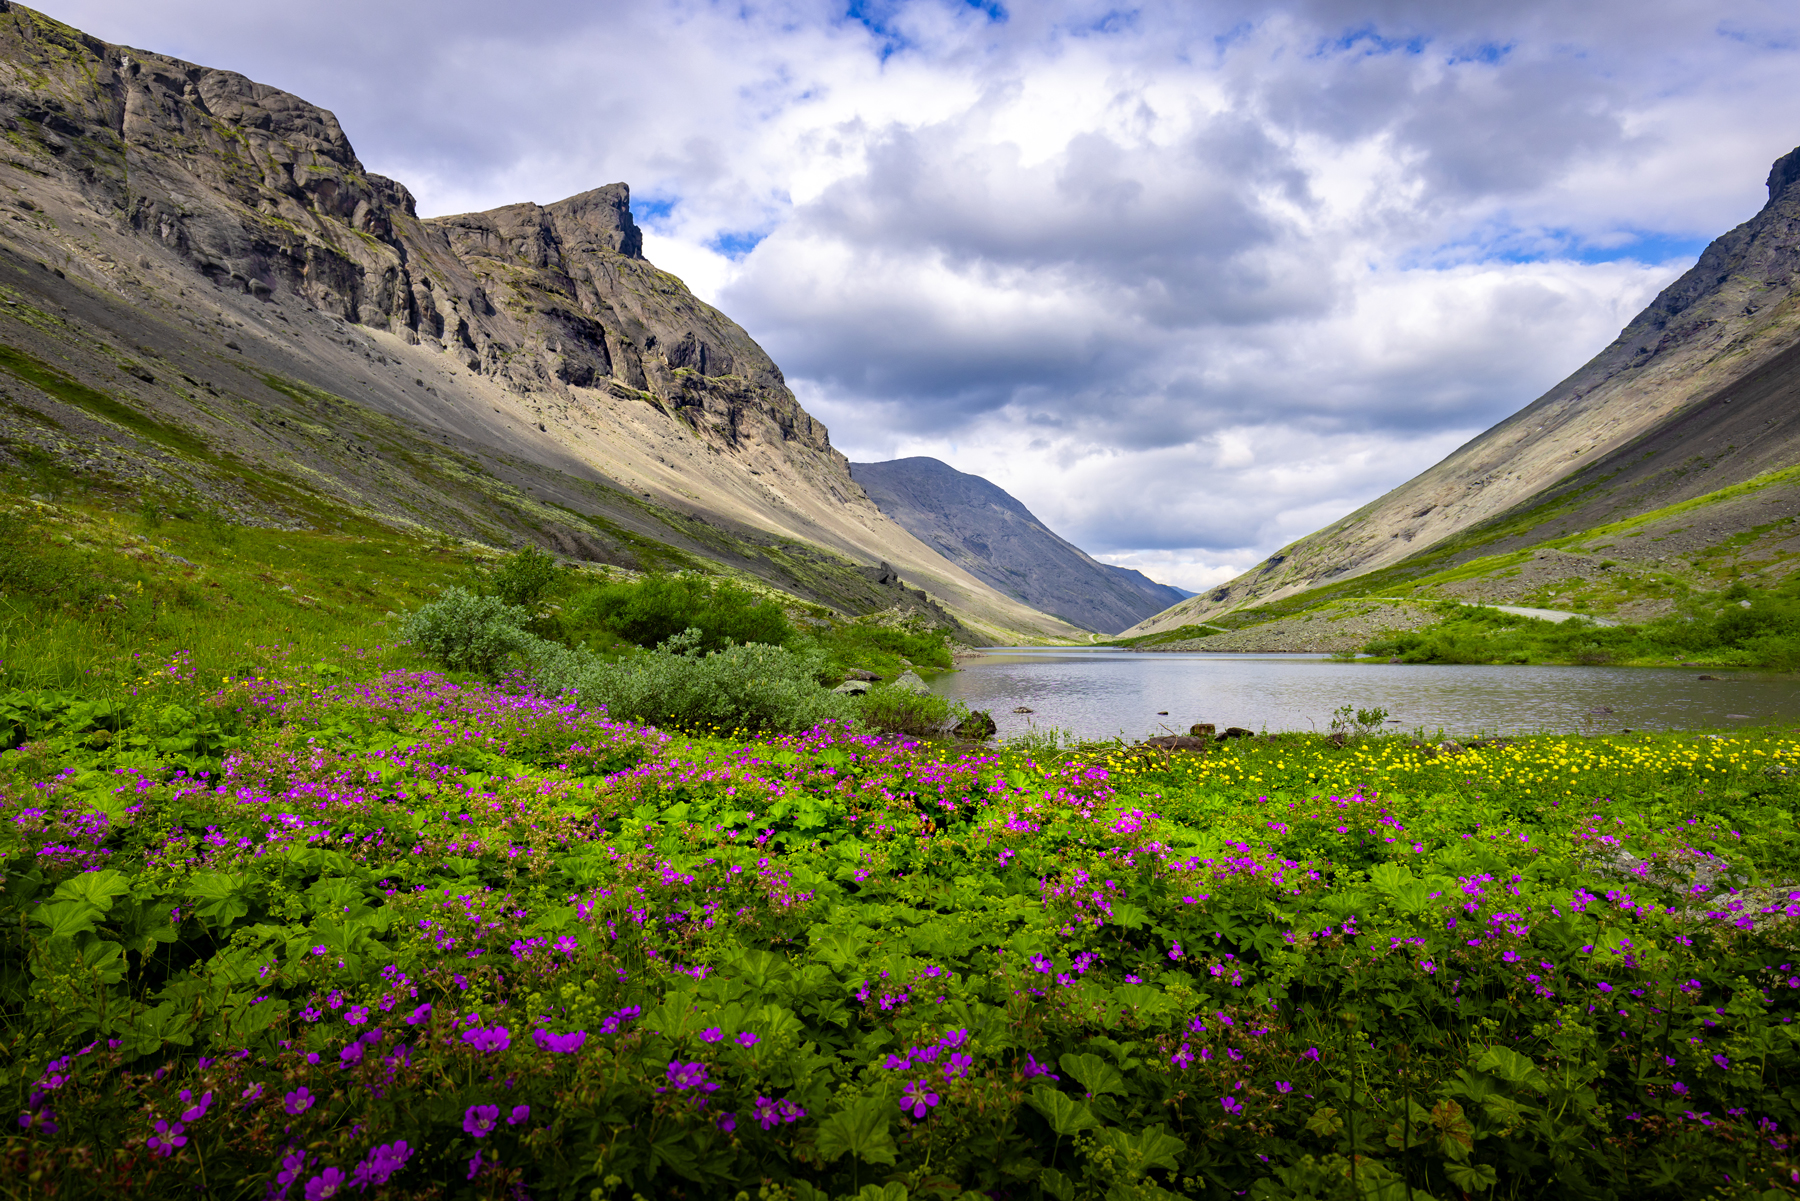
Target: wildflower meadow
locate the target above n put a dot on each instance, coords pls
(302, 936)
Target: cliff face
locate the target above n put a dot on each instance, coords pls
(1697, 393)
(982, 528)
(209, 252)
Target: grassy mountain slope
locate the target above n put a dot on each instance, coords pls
(1695, 396)
(208, 298)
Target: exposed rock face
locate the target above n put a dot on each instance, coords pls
(1697, 393)
(531, 374)
(983, 529)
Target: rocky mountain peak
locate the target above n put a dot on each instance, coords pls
(1785, 171)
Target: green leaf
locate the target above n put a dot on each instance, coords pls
(1512, 1067)
(1471, 1177)
(1066, 1115)
(219, 896)
(1095, 1074)
(1152, 1148)
(882, 1192)
(1057, 1185)
(105, 959)
(861, 1130)
(98, 889)
(66, 918)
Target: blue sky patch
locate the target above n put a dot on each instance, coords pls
(653, 210)
(735, 244)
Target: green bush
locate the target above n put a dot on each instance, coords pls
(887, 649)
(656, 608)
(526, 577)
(894, 710)
(463, 632)
(680, 684)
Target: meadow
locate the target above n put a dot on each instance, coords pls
(294, 918)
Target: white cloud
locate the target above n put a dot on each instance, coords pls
(1189, 279)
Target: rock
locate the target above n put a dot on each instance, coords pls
(1024, 709)
(857, 673)
(1709, 677)
(1236, 732)
(1450, 748)
(1204, 729)
(977, 727)
(852, 687)
(1177, 742)
(911, 682)
(1738, 717)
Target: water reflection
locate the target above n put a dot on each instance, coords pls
(1103, 693)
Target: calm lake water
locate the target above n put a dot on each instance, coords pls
(1104, 693)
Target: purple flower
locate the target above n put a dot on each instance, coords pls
(711, 1034)
(1034, 1068)
(474, 1165)
(766, 1112)
(299, 1101)
(167, 1140)
(418, 1015)
(356, 1015)
(519, 1114)
(497, 1039)
(1175, 951)
(198, 1110)
(747, 1039)
(310, 1014)
(1182, 1059)
(291, 1167)
(1231, 1105)
(917, 1099)
(253, 1094)
(788, 1111)
(1724, 1064)
(560, 1044)
(327, 1184)
(1282, 1086)
(1311, 1053)
(351, 1055)
(383, 1162)
(480, 1120)
(1679, 1089)
(684, 1076)
(727, 1122)
(958, 1066)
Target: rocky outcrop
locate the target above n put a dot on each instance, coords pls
(982, 528)
(1696, 394)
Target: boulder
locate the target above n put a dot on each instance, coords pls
(910, 681)
(857, 673)
(977, 726)
(1236, 732)
(1204, 729)
(852, 687)
(1177, 742)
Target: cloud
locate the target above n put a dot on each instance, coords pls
(1190, 279)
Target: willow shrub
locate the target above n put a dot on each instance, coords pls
(421, 939)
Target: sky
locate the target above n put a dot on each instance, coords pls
(1189, 279)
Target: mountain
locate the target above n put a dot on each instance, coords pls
(208, 298)
(1681, 429)
(985, 531)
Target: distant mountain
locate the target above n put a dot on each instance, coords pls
(985, 531)
(208, 297)
(1683, 422)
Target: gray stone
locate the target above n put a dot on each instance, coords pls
(911, 682)
(852, 687)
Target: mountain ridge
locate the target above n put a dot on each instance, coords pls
(978, 525)
(187, 249)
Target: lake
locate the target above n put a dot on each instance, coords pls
(1105, 693)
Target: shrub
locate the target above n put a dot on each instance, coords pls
(463, 632)
(526, 577)
(894, 710)
(877, 646)
(753, 687)
(656, 608)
